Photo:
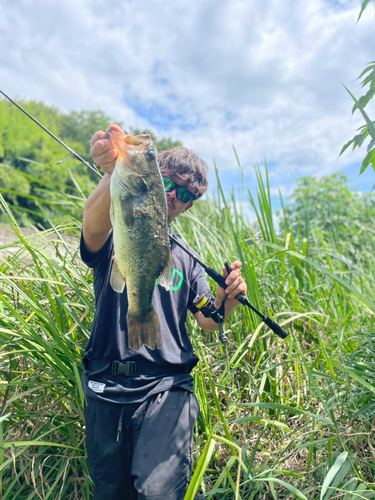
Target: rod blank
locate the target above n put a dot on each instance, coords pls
(52, 135)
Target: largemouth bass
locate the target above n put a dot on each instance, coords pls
(139, 216)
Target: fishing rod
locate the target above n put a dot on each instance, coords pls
(220, 280)
(73, 153)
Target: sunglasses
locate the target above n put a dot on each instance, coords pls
(182, 194)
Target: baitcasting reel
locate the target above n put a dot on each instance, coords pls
(209, 310)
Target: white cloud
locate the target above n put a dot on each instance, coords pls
(262, 76)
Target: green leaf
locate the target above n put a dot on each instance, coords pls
(370, 78)
(361, 137)
(354, 375)
(368, 68)
(338, 479)
(359, 494)
(371, 145)
(363, 6)
(340, 460)
(262, 420)
(345, 147)
(369, 158)
(18, 444)
(4, 417)
(364, 100)
(286, 485)
(200, 469)
(277, 406)
(370, 125)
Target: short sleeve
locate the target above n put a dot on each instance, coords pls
(93, 260)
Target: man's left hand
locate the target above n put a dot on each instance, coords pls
(235, 285)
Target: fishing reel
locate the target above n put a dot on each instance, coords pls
(209, 310)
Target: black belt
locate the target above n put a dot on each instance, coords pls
(132, 368)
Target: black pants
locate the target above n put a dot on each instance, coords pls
(144, 450)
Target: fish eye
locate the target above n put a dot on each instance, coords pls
(151, 155)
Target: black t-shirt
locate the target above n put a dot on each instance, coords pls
(109, 342)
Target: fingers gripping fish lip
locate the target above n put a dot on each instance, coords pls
(129, 147)
(124, 142)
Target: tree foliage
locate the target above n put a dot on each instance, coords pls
(30, 180)
(328, 208)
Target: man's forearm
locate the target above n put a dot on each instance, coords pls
(96, 219)
(208, 324)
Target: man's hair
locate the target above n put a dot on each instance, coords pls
(183, 163)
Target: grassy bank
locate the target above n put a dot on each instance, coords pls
(279, 418)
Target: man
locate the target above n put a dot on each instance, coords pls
(140, 407)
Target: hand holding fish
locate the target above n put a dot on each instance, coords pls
(103, 151)
(235, 285)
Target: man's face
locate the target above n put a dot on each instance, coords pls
(175, 206)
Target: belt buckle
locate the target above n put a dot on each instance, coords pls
(127, 368)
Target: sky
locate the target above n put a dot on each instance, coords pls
(263, 77)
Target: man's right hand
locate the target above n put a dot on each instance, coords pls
(102, 150)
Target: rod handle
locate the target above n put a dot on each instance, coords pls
(240, 297)
(275, 327)
(220, 280)
(268, 321)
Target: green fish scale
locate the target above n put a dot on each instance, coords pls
(140, 240)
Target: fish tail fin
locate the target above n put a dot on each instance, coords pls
(144, 330)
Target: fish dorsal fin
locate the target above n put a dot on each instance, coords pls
(117, 280)
(144, 137)
(166, 276)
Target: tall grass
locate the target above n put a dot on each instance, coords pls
(279, 418)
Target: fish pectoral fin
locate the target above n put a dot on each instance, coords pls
(117, 280)
(112, 213)
(136, 184)
(166, 276)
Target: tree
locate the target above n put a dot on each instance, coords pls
(30, 179)
(327, 208)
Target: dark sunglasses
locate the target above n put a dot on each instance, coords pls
(182, 194)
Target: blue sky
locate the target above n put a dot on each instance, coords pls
(264, 77)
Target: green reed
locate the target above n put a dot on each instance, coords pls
(279, 418)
